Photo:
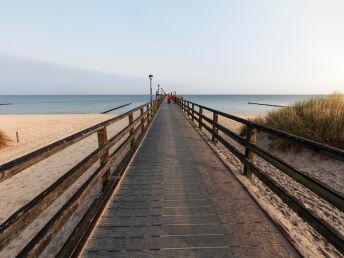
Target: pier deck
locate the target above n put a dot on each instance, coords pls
(177, 200)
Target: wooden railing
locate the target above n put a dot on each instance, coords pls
(195, 111)
(125, 143)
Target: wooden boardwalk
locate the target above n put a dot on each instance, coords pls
(178, 200)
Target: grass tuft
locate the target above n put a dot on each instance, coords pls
(4, 140)
(319, 118)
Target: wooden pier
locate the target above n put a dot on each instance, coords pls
(178, 199)
(165, 192)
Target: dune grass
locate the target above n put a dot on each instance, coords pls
(318, 118)
(4, 140)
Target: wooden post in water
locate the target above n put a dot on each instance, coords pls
(215, 130)
(102, 140)
(17, 136)
(131, 133)
(251, 138)
(142, 120)
(200, 117)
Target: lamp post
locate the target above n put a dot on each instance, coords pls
(158, 90)
(150, 84)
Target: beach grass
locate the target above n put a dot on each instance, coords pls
(4, 140)
(320, 118)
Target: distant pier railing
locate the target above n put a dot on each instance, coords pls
(196, 113)
(124, 143)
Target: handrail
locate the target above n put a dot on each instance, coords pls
(319, 147)
(132, 135)
(17, 165)
(322, 190)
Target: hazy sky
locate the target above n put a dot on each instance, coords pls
(218, 46)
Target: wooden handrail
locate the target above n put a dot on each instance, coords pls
(316, 146)
(19, 220)
(15, 166)
(325, 192)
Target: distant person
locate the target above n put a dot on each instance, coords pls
(169, 97)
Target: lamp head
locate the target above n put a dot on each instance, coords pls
(150, 76)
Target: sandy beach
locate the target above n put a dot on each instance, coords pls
(36, 131)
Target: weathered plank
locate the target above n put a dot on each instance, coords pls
(174, 198)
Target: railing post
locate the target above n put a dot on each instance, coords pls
(200, 117)
(215, 130)
(142, 120)
(102, 140)
(150, 110)
(153, 109)
(251, 138)
(189, 110)
(131, 132)
(193, 112)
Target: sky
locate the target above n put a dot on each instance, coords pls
(199, 47)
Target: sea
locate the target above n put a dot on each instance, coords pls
(90, 104)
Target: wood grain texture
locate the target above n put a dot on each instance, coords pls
(178, 199)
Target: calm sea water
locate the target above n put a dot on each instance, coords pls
(60, 104)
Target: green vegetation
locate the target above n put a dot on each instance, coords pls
(318, 118)
(3, 140)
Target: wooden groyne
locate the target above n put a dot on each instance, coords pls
(112, 109)
(266, 104)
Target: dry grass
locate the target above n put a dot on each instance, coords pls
(4, 140)
(318, 118)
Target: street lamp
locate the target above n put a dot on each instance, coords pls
(150, 83)
(158, 89)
